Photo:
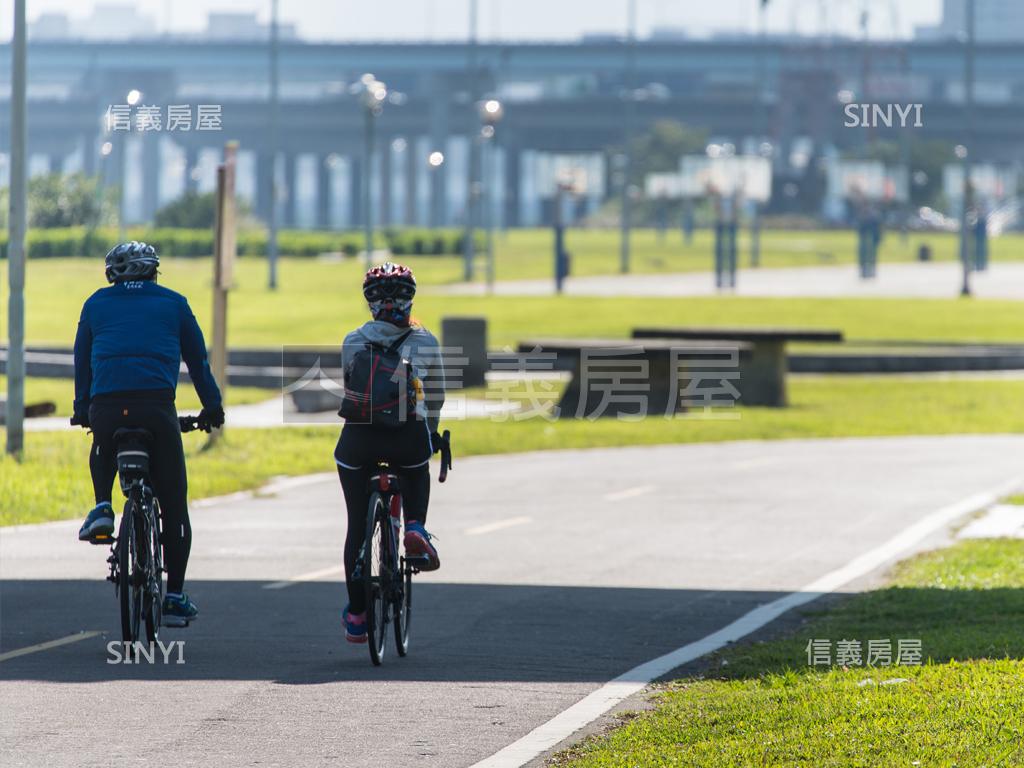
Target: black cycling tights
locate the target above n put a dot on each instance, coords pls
(167, 469)
(359, 447)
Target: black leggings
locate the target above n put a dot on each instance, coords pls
(360, 446)
(167, 469)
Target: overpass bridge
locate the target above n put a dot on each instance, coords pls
(561, 99)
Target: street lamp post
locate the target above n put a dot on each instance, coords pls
(491, 112)
(963, 151)
(627, 135)
(133, 97)
(15, 415)
(372, 92)
(274, 120)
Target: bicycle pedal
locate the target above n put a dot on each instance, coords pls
(101, 539)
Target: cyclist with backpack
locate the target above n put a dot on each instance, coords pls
(132, 337)
(394, 390)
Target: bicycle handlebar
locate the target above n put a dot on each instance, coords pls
(192, 423)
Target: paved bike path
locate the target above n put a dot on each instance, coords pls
(561, 571)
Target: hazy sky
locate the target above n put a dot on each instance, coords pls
(517, 19)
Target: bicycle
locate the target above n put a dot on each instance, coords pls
(136, 558)
(386, 572)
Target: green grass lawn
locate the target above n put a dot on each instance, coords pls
(760, 704)
(52, 480)
(318, 302)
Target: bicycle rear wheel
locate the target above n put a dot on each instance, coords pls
(154, 582)
(403, 611)
(128, 587)
(376, 577)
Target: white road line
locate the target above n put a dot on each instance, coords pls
(311, 576)
(498, 526)
(592, 706)
(48, 645)
(629, 493)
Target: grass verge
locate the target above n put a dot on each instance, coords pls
(762, 705)
(51, 482)
(318, 302)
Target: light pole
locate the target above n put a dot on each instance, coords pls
(964, 151)
(372, 92)
(473, 166)
(133, 97)
(627, 135)
(435, 162)
(274, 110)
(15, 416)
(491, 112)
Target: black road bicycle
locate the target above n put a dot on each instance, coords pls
(136, 557)
(387, 572)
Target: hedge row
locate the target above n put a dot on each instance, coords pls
(81, 241)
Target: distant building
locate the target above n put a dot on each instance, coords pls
(996, 21)
(109, 21)
(235, 25)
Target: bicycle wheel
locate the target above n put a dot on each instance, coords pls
(403, 610)
(129, 588)
(375, 577)
(154, 589)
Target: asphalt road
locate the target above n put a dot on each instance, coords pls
(560, 571)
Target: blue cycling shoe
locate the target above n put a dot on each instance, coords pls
(355, 626)
(418, 546)
(178, 610)
(98, 523)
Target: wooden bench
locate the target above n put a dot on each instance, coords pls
(764, 376)
(645, 377)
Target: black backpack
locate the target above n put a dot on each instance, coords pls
(379, 386)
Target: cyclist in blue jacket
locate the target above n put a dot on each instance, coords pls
(132, 337)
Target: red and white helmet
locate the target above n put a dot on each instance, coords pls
(389, 290)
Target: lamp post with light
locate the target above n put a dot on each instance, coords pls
(491, 112)
(372, 93)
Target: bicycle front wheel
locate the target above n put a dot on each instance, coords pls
(376, 577)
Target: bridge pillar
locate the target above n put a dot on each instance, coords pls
(150, 174)
(290, 209)
(264, 184)
(513, 179)
(191, 168)
(411, 177)
(356, 168)
(384, 220)
(323, 192)
(56, 162)
(89, 150)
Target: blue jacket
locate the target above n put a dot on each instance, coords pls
(133, 336)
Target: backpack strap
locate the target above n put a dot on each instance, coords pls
(394, 346)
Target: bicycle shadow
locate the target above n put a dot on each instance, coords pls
(460, 632)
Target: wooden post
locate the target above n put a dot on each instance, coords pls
(224, 249)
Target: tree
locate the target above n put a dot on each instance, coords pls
(55, 200)
(190, 211)
(661, 148)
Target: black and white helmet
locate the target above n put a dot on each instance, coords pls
(132, 260)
